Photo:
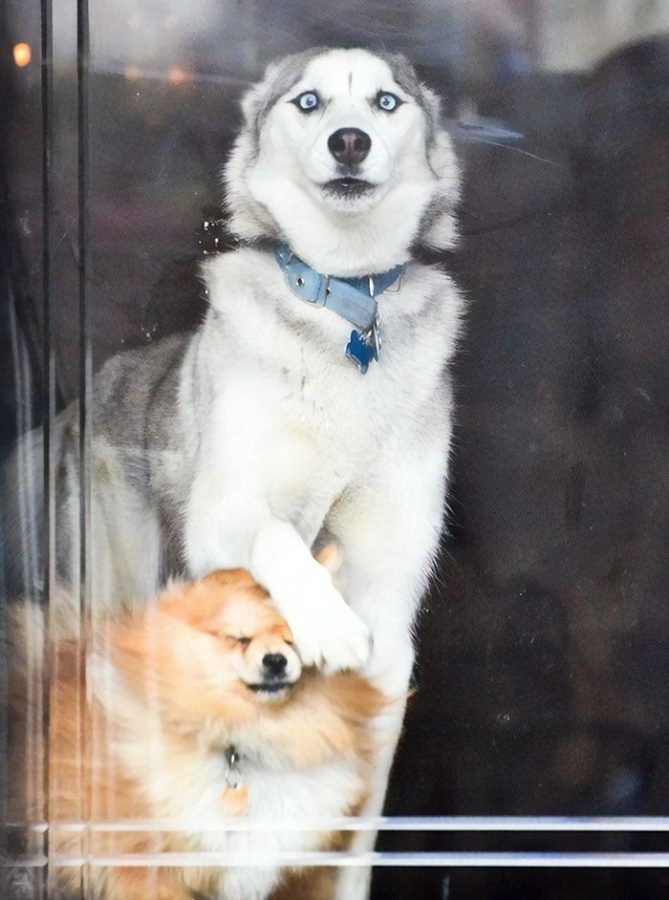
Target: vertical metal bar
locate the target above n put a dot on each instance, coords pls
(84, 408)
(48, 391)
(82, 253)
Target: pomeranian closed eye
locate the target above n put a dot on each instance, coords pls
(196, 709)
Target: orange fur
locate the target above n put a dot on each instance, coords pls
(174, 695)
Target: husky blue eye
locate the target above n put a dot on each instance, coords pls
(387, 102)
(307, 101)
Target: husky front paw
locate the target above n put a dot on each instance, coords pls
(327, 631)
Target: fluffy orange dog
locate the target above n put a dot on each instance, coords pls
(199, 711)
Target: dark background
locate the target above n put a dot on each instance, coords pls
(542, 683)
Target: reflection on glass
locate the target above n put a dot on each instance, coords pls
(541, 679)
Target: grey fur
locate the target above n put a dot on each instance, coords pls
(407, 78)
(132, 417)
(280, 76)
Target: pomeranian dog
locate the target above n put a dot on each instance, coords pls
(196, 713)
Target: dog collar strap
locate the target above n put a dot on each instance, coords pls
(351, 298)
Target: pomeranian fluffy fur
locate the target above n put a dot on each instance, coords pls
(146, 733)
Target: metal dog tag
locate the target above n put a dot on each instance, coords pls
(233, 777)
(362, 348)
(236, 794)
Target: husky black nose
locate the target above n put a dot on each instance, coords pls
(349, 146)
(274, 664)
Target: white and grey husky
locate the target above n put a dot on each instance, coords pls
(314, 402)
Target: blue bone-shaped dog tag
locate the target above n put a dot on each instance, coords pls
(360, 351)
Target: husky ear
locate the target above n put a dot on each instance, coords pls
(438, 229)
(247, 218)
(250, 104)
(258, 97)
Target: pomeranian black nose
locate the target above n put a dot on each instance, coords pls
(349, 146)
(274, 664)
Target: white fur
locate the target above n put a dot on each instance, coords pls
(321, 446)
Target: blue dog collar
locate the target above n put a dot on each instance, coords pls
(351, 298)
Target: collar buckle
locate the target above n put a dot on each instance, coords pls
(323, 292)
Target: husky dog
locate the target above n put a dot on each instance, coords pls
(314, 402)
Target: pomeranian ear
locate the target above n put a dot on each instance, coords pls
(330, 557)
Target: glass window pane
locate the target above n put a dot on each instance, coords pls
(538, 714)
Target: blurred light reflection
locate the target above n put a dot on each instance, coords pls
(22, 54)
